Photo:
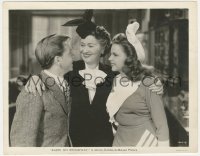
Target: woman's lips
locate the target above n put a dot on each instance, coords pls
(112, 64)
(86, 55)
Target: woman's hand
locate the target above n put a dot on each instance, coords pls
(157, 87)
(35, 84)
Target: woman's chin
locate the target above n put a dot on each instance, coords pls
(86, 60)
(114, 69)
(71, 69)
(90, 61)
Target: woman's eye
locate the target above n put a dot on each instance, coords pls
(113, 54)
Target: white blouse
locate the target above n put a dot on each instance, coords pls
(92, 78)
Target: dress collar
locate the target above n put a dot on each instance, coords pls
(120, 92)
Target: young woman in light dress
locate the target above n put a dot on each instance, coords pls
(137, 112)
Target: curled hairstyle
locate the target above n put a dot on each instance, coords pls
(132, 66)
(48, 48)
(103, 36)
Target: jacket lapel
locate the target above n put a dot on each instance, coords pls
(80, 65)
(100, 85)
(57, 92)
(107, 70)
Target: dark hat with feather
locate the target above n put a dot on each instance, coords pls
(85, 25)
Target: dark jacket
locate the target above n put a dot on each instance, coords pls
(89, 123)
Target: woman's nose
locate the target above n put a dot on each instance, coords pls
(84, 49)
(110, 58)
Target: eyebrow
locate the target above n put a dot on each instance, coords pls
(88, 43)
(114, 53)
(92, 43)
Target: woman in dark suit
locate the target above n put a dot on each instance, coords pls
(43, 121)
(91, 83)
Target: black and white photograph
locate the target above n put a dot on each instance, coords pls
(83, 77)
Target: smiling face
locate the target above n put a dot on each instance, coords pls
(117, 57)
(91, 50)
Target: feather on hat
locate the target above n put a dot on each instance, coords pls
(84, 25)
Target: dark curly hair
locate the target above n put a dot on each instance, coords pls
(133, 68)
(101, 34)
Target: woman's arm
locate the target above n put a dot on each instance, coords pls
(158, 116)
(34, 85)
(26, 121)
(154, 82)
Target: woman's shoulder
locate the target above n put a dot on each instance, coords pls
(77, 65)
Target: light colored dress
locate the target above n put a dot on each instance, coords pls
(141, 119)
